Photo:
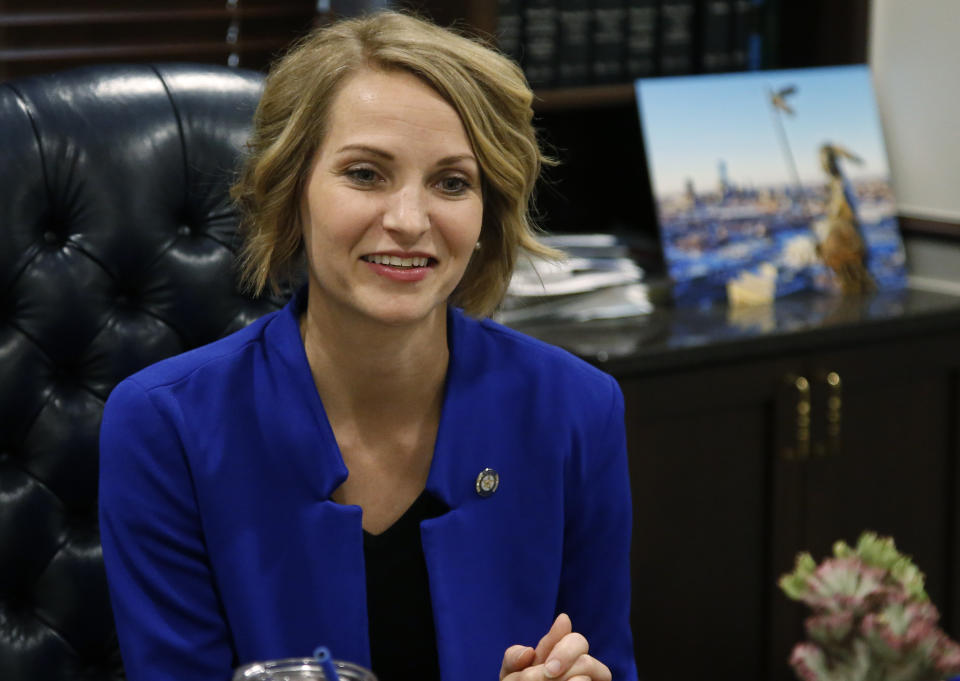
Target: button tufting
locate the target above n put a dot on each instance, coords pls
(68, 321)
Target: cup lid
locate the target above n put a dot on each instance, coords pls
(299, 669)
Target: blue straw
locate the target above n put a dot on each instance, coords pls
(322, 655)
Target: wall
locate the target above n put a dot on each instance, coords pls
(914, 52)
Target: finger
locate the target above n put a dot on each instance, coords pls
(531, 673)
(561, 627)
(565, 653)
(587, 668)
(516, 658)
(590, 669)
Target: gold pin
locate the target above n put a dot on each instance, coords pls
(487, 482)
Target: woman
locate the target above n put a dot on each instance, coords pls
(370, 468)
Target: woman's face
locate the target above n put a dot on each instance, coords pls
(392, 207)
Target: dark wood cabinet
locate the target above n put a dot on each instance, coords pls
(891, 472)
(700, 469)
(724, 501)
(724, 492)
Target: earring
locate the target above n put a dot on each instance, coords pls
(476, 246)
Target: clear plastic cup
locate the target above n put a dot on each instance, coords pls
(299, 669)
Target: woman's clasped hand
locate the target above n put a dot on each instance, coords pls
(561, 655)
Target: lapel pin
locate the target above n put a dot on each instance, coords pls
(487, 482)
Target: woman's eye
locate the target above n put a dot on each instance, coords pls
(454, 185)
(362, 175)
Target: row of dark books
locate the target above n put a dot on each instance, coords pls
(563, 43)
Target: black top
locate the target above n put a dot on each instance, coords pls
(403, 643)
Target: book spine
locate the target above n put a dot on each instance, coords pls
(676, 37)
(757, 47)
(540, 29)
(575, 38)
(509, 31)
(642, 38)
(716, 36)
(742, 11)
(609, 41)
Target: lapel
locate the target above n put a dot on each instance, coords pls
(331, 582)
(306, 437)
(465, 549)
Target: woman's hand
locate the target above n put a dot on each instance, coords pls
(561, 655)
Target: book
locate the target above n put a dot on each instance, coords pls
(676, 37)
(597, 281)
(715, 35)
(641, 38)
(610, 302)
(540, 29)
(748, 19)
(509, 31)
(574, 275)
(609, 40)
(589, 244)
(760, 24)
(574, 35)
(741, 12)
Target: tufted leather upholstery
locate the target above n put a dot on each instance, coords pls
(116, 250)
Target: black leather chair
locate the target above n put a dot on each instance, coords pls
(117, 242)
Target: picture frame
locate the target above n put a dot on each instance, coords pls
(772, 182)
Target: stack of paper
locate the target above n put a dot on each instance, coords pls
(597, 281)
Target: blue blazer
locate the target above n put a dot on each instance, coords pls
(223, 547)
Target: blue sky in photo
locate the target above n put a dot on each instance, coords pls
(690, 123)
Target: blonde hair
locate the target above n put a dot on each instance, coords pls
(487, 90)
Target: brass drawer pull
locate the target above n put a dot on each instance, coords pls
(834, 413)
(802, 386)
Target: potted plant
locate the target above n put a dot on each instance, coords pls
(871, 620)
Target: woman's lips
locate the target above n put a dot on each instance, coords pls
(401, 274)
(399, 259)
(402, 267)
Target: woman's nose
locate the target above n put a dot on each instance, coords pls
(406, 213)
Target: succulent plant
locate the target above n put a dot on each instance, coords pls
(872, 619)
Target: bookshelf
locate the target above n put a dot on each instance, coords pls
(584, 97)
(45, 35)
(602, 184)
(796, 33)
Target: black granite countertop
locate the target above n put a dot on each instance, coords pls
(674, 337)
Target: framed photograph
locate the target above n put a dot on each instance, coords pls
(772, 182)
